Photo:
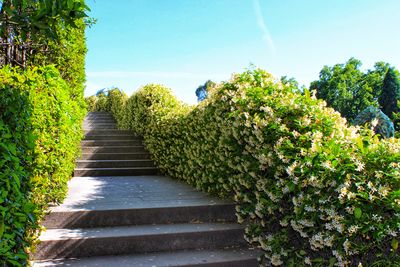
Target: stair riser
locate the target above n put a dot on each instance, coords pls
(95, 128)
(116, 172)
(107, 132)
(102, 120)
(240, 263)
(99, 117)
(108, 218)
(99, 121)
(107, 149)
(100, 127)
(118, 164)
(111, 156)
(86, 143)
(113, 137)
(138, 244)
(100, 124)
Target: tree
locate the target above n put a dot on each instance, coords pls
(344, 88)
(27, 25)
(390, 95)
(349, 90)
(202, 90)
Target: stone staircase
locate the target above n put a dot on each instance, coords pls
(120, 212)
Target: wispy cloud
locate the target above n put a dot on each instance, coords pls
(151, 74)
(263, 26)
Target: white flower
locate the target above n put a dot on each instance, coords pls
(328, 165)
(307, 261)
(276, 260)
(360, 166)
(353, 229)
(374, 122)
(346, 246)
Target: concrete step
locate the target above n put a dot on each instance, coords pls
(99, 119)
(114, 163)
(107, 132)
(98, 114)
(113, 137)
(86, 143)
(132, 171)
(115, 156)
(140, 216)
(113, 149)
(233, 257)
(105, 124)
(89, 242)
(95, 128)
(100, 127)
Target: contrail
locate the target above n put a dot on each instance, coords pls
(263, 27)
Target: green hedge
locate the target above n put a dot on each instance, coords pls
(40, 133)
(311, 189)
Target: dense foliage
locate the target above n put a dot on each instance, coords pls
(40, 133)
(311, 189)
(374, 117)
(27, 26)
(41, 112)
(349, 90)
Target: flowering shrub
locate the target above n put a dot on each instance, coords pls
(150, 104)
(311, 190)
(40, 133)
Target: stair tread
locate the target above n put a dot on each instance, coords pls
(195, 203)
(116, 168)
(112, 153)
(113, 160)
(136, 230)
(161, 259)
(127, 192)
(112, 146)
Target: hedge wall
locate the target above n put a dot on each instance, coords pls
(40, 133)
(311, 189)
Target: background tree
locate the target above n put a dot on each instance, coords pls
(349, 90)
(202, 90)
(390, 95)
(343, 87)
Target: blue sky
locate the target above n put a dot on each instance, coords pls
(183, 43)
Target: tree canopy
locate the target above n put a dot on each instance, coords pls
(348, 89)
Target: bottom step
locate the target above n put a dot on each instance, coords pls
(203, 258)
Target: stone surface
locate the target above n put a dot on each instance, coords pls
(205, 258)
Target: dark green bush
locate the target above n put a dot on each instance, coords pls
(40, 131)
(310, 189)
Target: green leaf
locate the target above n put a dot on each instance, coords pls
(291, 186)
(2, 226)
(357, 213)
(332, 262)
(395, 244)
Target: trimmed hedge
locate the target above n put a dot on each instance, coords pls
(311, 189)
(40, 133)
